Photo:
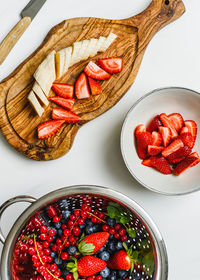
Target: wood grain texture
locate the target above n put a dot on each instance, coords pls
(11, 39)
(18, 121)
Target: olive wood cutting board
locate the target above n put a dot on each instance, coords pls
(18, 121)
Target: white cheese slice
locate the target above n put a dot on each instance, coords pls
(100, 43)
(75, 54)
(110, 39)
(83, 49)
(68, 54)
(40, 94)
(94, 50)
(60, 63)
(35, 103)
(45, 74)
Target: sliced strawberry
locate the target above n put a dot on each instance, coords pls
(63, 102)
(157, 138)
(187, 139)
(166, 135)
(182, 152)
(147, 162)
(49, 128)
(154, 124)
(177, 121)
(184, 130)
(95, 72)
(63, 90)
(176, 160)
(192, 128)
(154, 150)
(195, 154)
(67, 116)
(173, 147)
(161, 164)
(140, 128)
(185, 164)
(112, 65)
(95, 86)
(167, 123)
(143, 139)
(82, 90)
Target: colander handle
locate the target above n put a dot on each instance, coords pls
(9, 202)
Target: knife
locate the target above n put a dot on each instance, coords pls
(27, 15)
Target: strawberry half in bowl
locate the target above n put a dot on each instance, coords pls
(160, 141)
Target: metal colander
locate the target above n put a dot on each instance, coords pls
(145, 237)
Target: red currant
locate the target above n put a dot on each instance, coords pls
(98, 277)
(84, 207)
(66, 232)
(63, 226)
(51, 211)
(94, 219)
(76, 231)
(60, 247)
(50, 259)
(71, 238)
(67, 243)
(51, 232)
(44, 259)
(81, 221)
(84, 214)
(69, 277)
(70, 223)
(53, 267)
(122, 231)
(72, 217)
(43, 229)
(123, 238)
(112, 231)
(64, 256)
(54, 247)
(105, 228)
(58, 241)
(56, 219)
(43, 236)
(57, 273)
(77, 213)
(31, 251)
(117, 226)
(49, 239)
(116, 235)
(35, 258)
(47, 251)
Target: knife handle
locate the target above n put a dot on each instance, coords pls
(11, 39)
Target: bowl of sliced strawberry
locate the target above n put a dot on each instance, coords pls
(160, 141)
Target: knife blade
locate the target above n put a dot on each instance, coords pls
(32, 8)
(27, 15)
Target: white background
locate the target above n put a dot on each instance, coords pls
(172, 59)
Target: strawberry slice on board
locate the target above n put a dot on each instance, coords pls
(67, 116)
(185, 164)
(94, 71)
(82, 90)
(86, 266)
(154, 124)
(154, 150)
(49, 128)
(192, 128)
(140, 128)
(143, 140)
(177, 121)
(93, 243)
(173, 147)
(167, 123)
(95, 86)
(112, 65)
(187, 139)
(157, 138)
(180, 153)
(161, 164)
(63, 102)
(63, 90)
(166, 135)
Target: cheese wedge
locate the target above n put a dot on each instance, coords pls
(45, 74)
(35, 103)
(68, 54)
(75, 53)
(60, 63)
(83, 49)
(40, 94)
(100, 43)
(94, 48)
(90, 48)
(110, 39)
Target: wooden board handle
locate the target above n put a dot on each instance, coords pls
(12, 38)
(157, 15)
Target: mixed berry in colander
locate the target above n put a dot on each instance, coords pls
(84, 237)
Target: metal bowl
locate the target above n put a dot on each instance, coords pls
(75, 194)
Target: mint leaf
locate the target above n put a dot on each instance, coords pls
(113, 212)
(124, 220)
(131, 232)
(148, 261)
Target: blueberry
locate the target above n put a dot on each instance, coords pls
(111, 222)
(65, 273)
(102, 249)
(111, 237)
(82, 226)
(105, 272)
(123, 274)
(89, 222)
(91, 229)
(111, 246)
(63, 204)
(104, 256)
(58, 225)
(58, 261)
(66, 214)
(60, 232)
(119, 245)
(71, 250)
(113, 275)
(53, 255)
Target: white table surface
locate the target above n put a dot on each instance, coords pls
(172, 59)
